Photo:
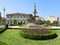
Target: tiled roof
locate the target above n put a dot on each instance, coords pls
(22, 14)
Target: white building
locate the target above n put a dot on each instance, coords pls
(53, 18)
(17, 16)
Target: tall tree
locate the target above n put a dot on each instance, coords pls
(55, 23)
(15, 21)
(47, 22)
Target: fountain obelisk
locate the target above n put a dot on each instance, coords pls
(35, 11)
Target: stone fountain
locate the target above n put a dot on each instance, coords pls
(32, 25)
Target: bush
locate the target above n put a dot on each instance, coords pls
(38, 36)
(1, 43)
(3, 29)
(6, 26)
(19, 23)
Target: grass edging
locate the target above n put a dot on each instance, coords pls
(3, 29)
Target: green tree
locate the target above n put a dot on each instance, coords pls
(55, 23)
(23, 22)
(15, 21)
(32, 17)
(48, 22)
(19, 23)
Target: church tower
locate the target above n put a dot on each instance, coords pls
(35, 10)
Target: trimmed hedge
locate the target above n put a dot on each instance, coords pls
(1, 43)
(38, 36)
(3, 29)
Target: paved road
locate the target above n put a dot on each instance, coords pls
(17, 27)
(55, 27)
(52, 27)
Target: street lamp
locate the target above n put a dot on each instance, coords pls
(0, 18)
(4, 15)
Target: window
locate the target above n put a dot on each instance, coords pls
(24, 16)
(21, 16)
(14, 16)
(7, 16)
(17, 16)
(11, 16)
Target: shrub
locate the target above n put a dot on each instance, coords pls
(3, 29)
(24, 22)
(19, 23)
(1, 43)
(6, 26)
(15, 22)
(38, 36)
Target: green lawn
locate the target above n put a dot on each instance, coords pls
(12, 37)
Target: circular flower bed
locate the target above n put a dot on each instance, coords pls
(38, 34)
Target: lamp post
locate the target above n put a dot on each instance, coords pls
(4, 15)
(0, 18)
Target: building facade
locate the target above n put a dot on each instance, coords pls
(18, 16)
(53, 18)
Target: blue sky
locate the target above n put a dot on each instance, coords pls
(45, 8)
